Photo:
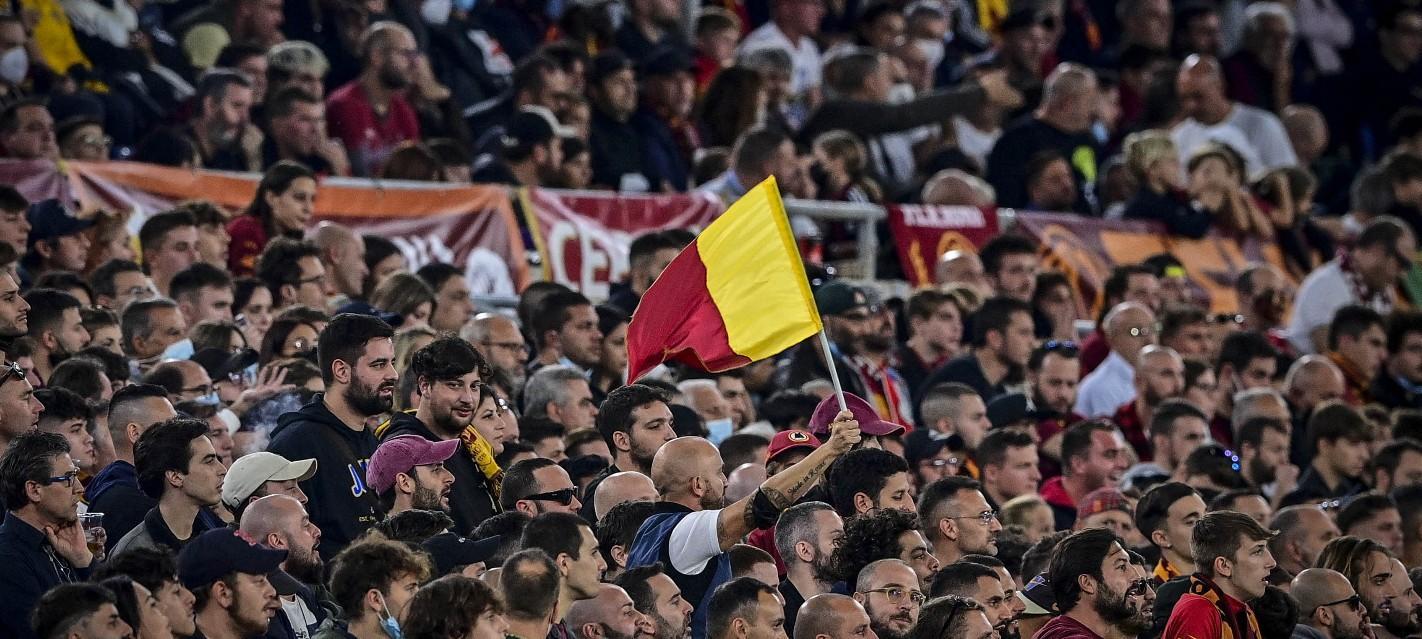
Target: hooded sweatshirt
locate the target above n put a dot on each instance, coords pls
(340, 503)
(471, 500)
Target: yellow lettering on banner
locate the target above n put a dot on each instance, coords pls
(1213, 264)
(953, 241)
(920, 270)
(1063, 250)
(1125, 247)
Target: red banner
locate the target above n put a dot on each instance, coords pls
(470, 226)
(923, 233)
(584, 236)
(1087, 248)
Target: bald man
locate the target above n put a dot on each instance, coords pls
(876, 590)
(501, 343)
(831, 616)
(1328, 605)
(623, 487)
(1263, 295)
(343, 254)
(1160, 375)
(963, 267)
(609, 615)
(1310, 382)
(1308, 131)
(1210, 116)
(956, 187)
(744, 480)
(1129, 328)
(1303, 532)
(1061, 124)
(281, 522)
(693, 528)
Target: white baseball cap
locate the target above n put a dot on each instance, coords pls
(249, 472)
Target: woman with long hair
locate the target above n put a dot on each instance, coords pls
(283, 205)
(733, 105)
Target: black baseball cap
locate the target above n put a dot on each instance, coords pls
(50, 219)
(221, 363)
(451, 551)
(221, 552)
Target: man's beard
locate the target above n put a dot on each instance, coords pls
(667, 630)
(874, 342)
(821, 569)
(1117, 611)
(713, 502)
(1402, 623)
(58, 355)
(1260, 473)
(222, 133)
(426, 499)
(610, 633)
(885, 631)
(641, 456)
(366, 400)
(1045, 408)
(446, 422)
(247, 627)
(306, 567)
(1009, 630)
(1153, 398)
(393, 80)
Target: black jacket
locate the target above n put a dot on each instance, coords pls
(1175, 210)
(31, 568)
(114, 492)
(471, 499)
(1389, 392)
(341, 505)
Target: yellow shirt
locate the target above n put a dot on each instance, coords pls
(54, 36)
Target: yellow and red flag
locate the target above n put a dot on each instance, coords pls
(736, 295)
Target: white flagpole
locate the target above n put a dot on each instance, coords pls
(834, 373)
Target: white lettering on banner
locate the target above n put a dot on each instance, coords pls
(943, 217)
(487, 273)
(598, 250)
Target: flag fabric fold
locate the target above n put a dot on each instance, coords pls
(735, 295)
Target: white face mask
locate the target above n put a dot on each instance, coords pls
(436, 12)
(931, 49)
(14, 65)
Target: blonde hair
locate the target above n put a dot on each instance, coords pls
(1015, 511)
(1145, 148)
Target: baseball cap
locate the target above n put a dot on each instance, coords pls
(1006, 410)
(1101, 500)
(838, 296)
(400, 454)
(788, 440)
(250, 471)
(221, 364)
(527, 129)
(1038, 597)
(450, 551)
(925, 443)
(222, 551)
(607, 63)
(50, 219)
(666, 61)
(365, 308)
(869, 421)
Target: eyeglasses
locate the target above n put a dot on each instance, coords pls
(11, 370)
(1227, 318)
(96, 141)
(1142, 331)
(1064, 347)
(941, 463)
(68, 478)
(1355, 602)
(564, 496)
(896, 595)
(985, 516)
(1138, 588)
(512, 347)
(205, 389)
(955, 605)
(319, 279)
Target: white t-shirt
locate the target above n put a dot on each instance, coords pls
(1256, 134)
(300, 617)
(693, 542)
(804, 56)
(1106, 388)
(974, 142)
(1321, 294)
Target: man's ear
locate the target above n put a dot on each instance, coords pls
(621, 441)
(1087, 583)
(284, 293)
(863, 503)
(1158, 538)
(1223, 567)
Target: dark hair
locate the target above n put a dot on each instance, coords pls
(869, 538)
(1252, 432)
(215, 334)
(745, 557)
(373, 562)
(960, 578)
(101, 281)
(508, 526)
(783, 408)
(1226, 499)
(519, 482)
(1352, 321)
(162, 447)
(82, 375)
(994, 315)
(1242, 347)
(992, 450)
(741, 448)
(283, 103)
(279, 263)
(614, 415)
(1221, 465)
(97, 317)
(1081, 553)
(1039, 555)
(1400, 324)
(1390, 456)
(945, 613)
(447, 358)
(168, 376)
(1162, 421)
(754, 148)
(1076, 440)
(27, 459)
(150, 567)
(1176, 318)
(344, 339)
(277, 179)
(1154, 506)
(739, 597)
(554, 312)
(10, 199)
(65, 281)
(1362, 507)
(10, 115)
(863, 470)
(1277, 612)
(275, 338)
(47, 308)
(1336, 420)
(1039, 161)
(618, 526)
(1409, 503)
(66, 606)
(125, 599)
(447, 607)
(242, 289)
(1114, 289)
(556, 534)
(998, 248)
(437, 273)
(62, 404)
(530, 583)
(635, 582)
(377, 249)
(537, 429)
(154, 229)
(1217, 535)
(934, 495)
(191, 280)
(412, 526)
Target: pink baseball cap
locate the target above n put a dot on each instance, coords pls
(868, 418)
(401, 454)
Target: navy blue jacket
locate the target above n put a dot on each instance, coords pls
(31, 568)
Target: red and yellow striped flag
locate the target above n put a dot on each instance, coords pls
(737, 294)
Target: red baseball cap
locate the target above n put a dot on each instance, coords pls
(868, 418)
(401, 454)
(788, 440)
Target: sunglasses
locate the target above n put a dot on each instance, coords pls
(11, 370)
(1060, 346)
(955, 605)
(1355, 602)
(68, 478)
(564, 496)
(1138, 588)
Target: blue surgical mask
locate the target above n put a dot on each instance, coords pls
(1100, 132)
(464, 5)
(719, 429)
(210, 399)
(389, 624)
